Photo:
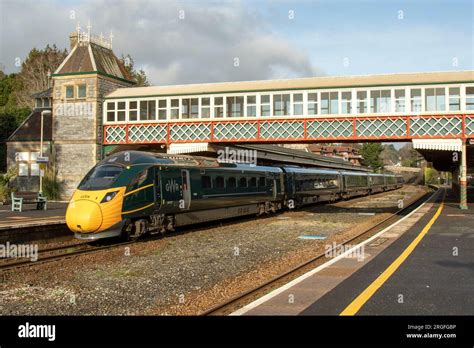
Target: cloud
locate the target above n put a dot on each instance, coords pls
(174, 43)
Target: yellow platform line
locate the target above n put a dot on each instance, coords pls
(360, 300)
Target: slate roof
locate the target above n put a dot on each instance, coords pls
(30, 129)
(88, 57)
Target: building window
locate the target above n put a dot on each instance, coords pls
(46, 103)
(298, 104)
(454, 99)
(218, 107)
(81, 91)
(281, 104)
(120, 111)
(265, 105)
(415, 99)
(34, 169)
(235, 106)
(190, 108)
(162, 107)
(251, 106)
(469, 98)
(362, 102)
(399, 100)
(133, 111)
(346, 102)
(174, 109)
(380, 101)
(435, 99)
(329, 103)
(22, 169)
(205, 107)
(69, 92)
(39, 102)
(110, 111)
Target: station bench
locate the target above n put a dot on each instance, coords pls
(24, 197)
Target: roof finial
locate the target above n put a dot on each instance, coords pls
(111, 38)
(89, 27)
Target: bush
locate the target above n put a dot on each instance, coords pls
(5, 189)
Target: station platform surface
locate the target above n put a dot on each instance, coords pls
(424, 265)
(55, 214)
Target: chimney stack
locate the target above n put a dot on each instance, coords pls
(73, 38)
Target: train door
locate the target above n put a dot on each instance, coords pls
(275, 189)
(157, 187)
(186, 184)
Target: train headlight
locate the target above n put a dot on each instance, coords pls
(109, 196)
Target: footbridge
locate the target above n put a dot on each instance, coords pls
(434, 110)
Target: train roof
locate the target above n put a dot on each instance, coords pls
(126, 158)
(291, 169)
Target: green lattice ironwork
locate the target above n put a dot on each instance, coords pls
(235, 131)
(115, 135)
(190, 132)
(381, 127)
(329, 129)
(470, 126)
(282, 130)
(147, 133)
(435, 126)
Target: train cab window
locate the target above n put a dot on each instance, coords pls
(100, 177)
(261, 181)
(253, 182)
(206, 181)
(219, 182)
(231, 182)
(243, 182)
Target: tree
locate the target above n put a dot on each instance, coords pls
(409, 155)
(389, 154)
(371, 155)
(33, 76)
(138, 75)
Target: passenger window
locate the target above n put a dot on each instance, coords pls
(253, 182)
(231, 182)
(206, 181)
(138, 180)
(243, 182)
(219, 182)
(261, 181)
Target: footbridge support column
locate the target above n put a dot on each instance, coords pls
(463, 176)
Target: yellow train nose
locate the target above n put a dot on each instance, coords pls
(84, 216)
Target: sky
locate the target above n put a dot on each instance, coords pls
(179, 42)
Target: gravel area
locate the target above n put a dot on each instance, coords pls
(188, 272)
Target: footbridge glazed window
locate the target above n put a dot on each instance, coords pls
(281, 104)
(329, 103)
(251, 105)
(298, 104)
(235, 106)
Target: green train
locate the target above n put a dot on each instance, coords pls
(133, 193)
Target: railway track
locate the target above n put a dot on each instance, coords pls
(231, 305)
(57, 253)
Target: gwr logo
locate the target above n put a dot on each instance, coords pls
(172, 186)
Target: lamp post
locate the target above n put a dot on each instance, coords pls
(44, 112)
